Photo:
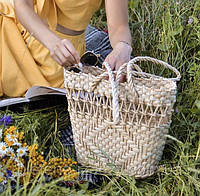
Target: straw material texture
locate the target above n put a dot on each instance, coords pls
(120, 126)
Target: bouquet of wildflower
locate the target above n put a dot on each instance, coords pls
(19, 160)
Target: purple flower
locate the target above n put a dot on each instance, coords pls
(9, 173)
(5, 120)
(190, 20)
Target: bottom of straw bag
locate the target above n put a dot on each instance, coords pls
(112, 169)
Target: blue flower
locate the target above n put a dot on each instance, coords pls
(5, 120)
(9, 173)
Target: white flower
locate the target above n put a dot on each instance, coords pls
(21, 151)
(1, 132)
(3, 149)
(11, 138)
(11, 152)
(17, 144)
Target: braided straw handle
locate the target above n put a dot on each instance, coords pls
(114, 85)
(130, 82)
(132, 62)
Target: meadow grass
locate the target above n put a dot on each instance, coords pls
(164, 29)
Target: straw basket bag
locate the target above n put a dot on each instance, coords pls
(120, 126)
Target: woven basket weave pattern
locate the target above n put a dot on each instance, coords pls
(135, 144)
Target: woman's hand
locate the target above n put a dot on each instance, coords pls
(63, 52)
(121, 54)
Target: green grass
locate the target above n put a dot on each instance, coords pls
(160, 29)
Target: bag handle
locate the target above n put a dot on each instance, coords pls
(114, 86)
(155, 61)
(129, 80)
(132, 63)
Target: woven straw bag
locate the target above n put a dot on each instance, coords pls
(120, 126)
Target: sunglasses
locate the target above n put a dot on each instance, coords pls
(90, 59)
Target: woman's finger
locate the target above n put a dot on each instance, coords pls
(63, 59)
(111, 61)
(66, 53)
(69, 46)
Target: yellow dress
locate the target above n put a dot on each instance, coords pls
(24, 61)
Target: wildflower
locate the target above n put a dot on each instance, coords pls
(21, 151)
(21, 136)
(5, 120)
(1, 132)
(15, 152)
(190, 20)
(17, 144)
(3, 149)
(10, 139)
(11, 130)
(10, 152)
(9, 173)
